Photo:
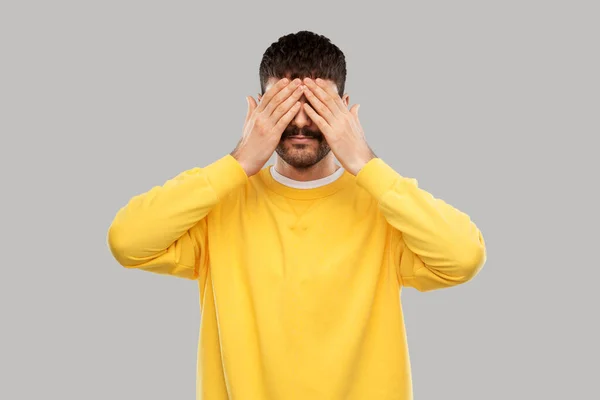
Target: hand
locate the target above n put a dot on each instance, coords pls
(340, 126)
(265, 124)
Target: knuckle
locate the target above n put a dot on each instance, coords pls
(260, 122)
(281, 109)
(283, 95)
(278, 112)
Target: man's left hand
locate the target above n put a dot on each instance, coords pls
(340, 126)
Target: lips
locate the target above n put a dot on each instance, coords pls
(301, 139)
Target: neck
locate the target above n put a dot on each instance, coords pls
(322, 169)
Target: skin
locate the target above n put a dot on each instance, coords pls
(309, 108)
(305, 160)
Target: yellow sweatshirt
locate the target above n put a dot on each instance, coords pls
(299, 288)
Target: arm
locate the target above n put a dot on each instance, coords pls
(439, 245)
(164, 230)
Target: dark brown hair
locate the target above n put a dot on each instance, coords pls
(303, 54)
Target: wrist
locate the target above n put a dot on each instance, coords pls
(361, 162)
(241, 163)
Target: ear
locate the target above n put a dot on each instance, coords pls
(259, 97)
(346, 99)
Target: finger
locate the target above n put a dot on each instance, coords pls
(286, 118)
(323, 96)
(317, 119)
(319, 106)
(287, 104)
(354, 110)
(280, 97)
(334, 95)
(251, 107)
(282, 83)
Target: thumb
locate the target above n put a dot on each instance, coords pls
(252, 103)
(251, 106)
(354, 110)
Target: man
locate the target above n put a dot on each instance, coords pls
(300, 264)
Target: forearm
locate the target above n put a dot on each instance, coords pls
(444, 238)
(151, 222)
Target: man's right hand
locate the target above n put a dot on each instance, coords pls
(265, 123)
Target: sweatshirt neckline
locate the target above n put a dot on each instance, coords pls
(324, 187)
(305, 184)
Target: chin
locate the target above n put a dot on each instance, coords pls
(301, 156)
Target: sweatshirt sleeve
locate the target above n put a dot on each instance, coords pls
(164, 230)
(439, 246)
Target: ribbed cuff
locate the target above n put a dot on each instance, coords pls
(377, 177)
(224, 175)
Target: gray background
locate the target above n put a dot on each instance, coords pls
(492, 106)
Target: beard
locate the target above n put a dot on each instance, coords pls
(302, 155)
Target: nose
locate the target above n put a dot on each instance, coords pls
(302, 119)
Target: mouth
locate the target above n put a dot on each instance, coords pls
(300, 139)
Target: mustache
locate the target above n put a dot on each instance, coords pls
(293, 131)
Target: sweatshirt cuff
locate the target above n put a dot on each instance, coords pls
(224, 175)
(376, 177)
